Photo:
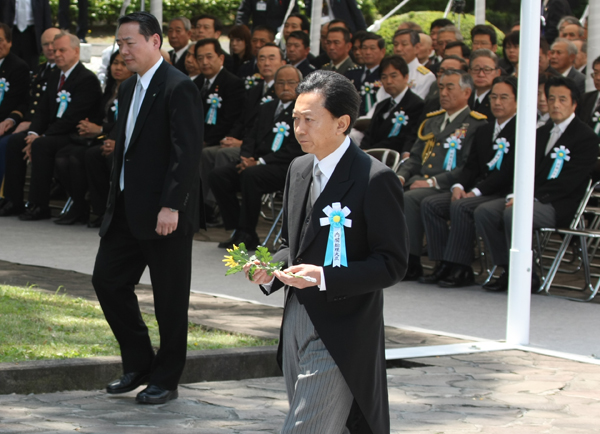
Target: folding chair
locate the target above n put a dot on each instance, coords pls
(389, 157)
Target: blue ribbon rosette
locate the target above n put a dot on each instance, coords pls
(4, 85)
(115, 108)
(266, 99)
(400, 119)
(63, 99)
(336, 244)
(215, 103)
(368, 90)
(283, 130)
(501, 148)
(596, 120)
(560, 155)
(453, 145)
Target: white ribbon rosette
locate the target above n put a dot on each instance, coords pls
(453, 145)
(336, 219)
(215, 103)
(560, 155)
(400, 119)
(63, 99)
(4, 86)
(501, 147)
(266, 99)
(368, 90)
(283, 130)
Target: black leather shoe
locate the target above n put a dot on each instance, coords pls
(10, 208)
(535, 283)
(96, 223)
(413, 272)
(460, 276)
(155, 395)
(36, 213)
(128, 382)
(441, 271)
(230, 242)
(73, 216)
(498, 285)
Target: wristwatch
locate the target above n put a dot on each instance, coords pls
(173, 210)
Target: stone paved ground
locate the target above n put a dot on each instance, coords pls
(495, 393)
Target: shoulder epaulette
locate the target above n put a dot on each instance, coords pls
(432, 114)
(355, 68)
(423, 70)
(478, 116)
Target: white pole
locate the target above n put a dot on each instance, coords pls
(156, 9)
(593, 41)
(315, 27)
(479, 11)
(519, 294)
(447, 11)
(376, 26)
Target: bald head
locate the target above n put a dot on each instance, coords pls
(47, 43)
(425, 48)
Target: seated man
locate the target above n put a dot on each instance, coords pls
(208, 26)
(562, 58)
(437, 157)
(261, 36)
(483, 67)
(589, 109)
(487, 175)
(179, 33)
(191, 64)
(566, 153)
(73, 94)
(458, 48)
(407, 44)
(432, 101)
(395, 121)
(297, 49)
(338, 45)
(265, 157)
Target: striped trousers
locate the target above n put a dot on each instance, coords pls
(319, 397)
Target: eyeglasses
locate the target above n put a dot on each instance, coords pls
(486, 71)
(289, 83)
(595, 74)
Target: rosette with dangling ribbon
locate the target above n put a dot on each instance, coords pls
(4, 85)
(453, 145)
(400, 119)
(266, 99)
(250, 81)
(115, 108)
(560, 155)
(336, 244)
(368, 90)
(215, 103)
(596, 120)
(283, 130)
(501, 148)
(63, 99)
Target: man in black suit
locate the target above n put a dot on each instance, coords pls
(395, 121)
(73, 94)
(266, 154)
(566, 152)
(261, 36)
(209, 26)
(332, 341)
(487, 175)
(268, 13)
(589, 109)
(64, 17)
(483, 67)
(297, 50)
(552, 12)
(562, 58)
(179, 33)
(28, 23)
(346, 10)
(152, 212)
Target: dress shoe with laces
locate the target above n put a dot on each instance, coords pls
(128, 382)
(95, 223)
(441, 271)
(461, 275)
(156, 395)
(36, 213)
(10, 208)
(73, 216)
(498, 285)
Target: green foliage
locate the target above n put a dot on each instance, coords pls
(424, 19)
(239, 257)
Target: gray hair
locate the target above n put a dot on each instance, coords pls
(484, 52)
(569, 19)
(571, 47)
(583, 48)
(73, 40)
(465, 79)
(288, 66)
(452, 29)
(187, 25)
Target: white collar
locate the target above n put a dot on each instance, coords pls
(482, 96)
(566, 73)
(212, 80)
(147, 77)
(285, 104)
(370, 71)
(296, 65)
(564, 124)
(400, 96)
(179, 53)
(412, 66)
(193, 77)
(270, 83)
(329, 163)
(454, 116)
(505, 122)
(68, 72)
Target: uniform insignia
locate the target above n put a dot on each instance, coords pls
(478, 116)
(461, 132)
(412, 84)
(423, 70)
(439, 112)
(326, 65)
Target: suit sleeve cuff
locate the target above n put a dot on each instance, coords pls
(457, 185)
(476, 192)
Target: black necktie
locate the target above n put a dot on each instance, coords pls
(205, 88)
(278, 110)
(173, 57)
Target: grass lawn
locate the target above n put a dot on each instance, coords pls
(36, 325)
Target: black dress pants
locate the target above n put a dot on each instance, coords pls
(253, 182)
(70, 170)
(97, 168)
(64, 17)
(120, 262)
(24, 45)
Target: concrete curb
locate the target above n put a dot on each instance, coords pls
(48, 376)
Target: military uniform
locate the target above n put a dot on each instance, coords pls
(39, 80)
(419, 78)
(437, 156)
(343, 68)
(367, 82)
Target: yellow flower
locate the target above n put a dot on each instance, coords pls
(229, 262)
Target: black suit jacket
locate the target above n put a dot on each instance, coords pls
(355, 76)
(86, 97)
(305, 67)
(566, 191)
(16, 72)
(477, 174)
(272, 17)
(349, 315)
(554, 11)
(483, 107)
(379, 128)
(42, 17)
(233, 93)
(254, 99)
(248, 68)
(346, 10)
(257, 143)
(585, 109)
(578, 78)
(163, 157)
(180, 64)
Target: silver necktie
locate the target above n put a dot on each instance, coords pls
(315, 189)
(130, 127)
(556, 133)
(497, 130)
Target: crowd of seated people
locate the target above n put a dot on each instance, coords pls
(445, 103)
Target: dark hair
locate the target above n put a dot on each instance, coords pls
(272, 44)
(370, 36)
(559, 80)
(544, 45)
(211, 41)
(241, 32)
(110, 80)
(414, 35)
(7, 32)
(484, 29)
(339, 94)
(217, 23)
(596, 62)
(396, 62)
(463, 63)
(299, 34)
(345, 32)
(511, 39)
(360, 35)
(464, 49)
(305, 26)
(440, 22)
(149, 25)
(343, 23)
(511, 80)
(264, 29)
